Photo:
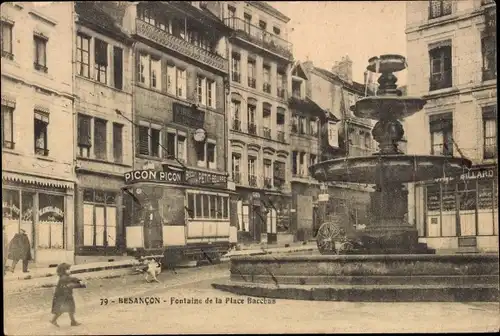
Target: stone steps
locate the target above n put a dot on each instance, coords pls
(363, 293)
(369, 280)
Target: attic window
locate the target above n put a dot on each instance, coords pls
(276, 30)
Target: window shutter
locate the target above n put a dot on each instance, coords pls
(164, 81)
(118, 64)
(143, 139)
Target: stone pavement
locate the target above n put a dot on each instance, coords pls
(46, 277)
(236, 315)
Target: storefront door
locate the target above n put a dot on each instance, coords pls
(153, 226)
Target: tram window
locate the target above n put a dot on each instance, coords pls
(205, 205)
(190, 206)
(213, 206)
(220, 208)
(198, 212)
(225, 209)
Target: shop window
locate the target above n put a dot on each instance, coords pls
(198, 206)
(41, 125)
(99, 218)
(10, 213)
(50, 221)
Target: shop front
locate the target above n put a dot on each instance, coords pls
(459, 213)
(43, 208)
(99, 230)
(263, 216)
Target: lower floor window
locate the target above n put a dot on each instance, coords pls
(45, 230)
(99, 218)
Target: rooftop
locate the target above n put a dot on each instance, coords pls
(265, 6)
(92, 12)
(355, 86)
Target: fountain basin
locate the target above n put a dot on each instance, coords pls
(386, 63)
(389, 168)
(386, 107)
(366, 277)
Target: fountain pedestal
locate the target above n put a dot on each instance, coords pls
(389, 231)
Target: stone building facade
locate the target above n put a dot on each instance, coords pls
(37, 127)
(103, 89)
(259, 120)
(452, 64)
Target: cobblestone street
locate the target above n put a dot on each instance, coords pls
(31, 315)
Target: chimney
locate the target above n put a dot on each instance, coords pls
(343, 69)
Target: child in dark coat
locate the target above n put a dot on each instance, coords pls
(63, 301)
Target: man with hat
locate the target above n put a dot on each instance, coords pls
(20, 249)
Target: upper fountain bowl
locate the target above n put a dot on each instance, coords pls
(387, 107)
(386, 63)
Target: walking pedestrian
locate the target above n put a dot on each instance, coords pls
(20, 249)
(63, 301)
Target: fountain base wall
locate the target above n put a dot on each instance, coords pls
(366, 277)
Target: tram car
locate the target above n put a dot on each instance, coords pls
(177, 222)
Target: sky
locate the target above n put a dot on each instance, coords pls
(325, 31)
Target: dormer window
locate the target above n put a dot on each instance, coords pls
(276, 30)
(262, 25)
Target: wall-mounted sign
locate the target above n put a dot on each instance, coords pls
(195, 177)
(333, 134)
(52, 210)
(170, 176)
(471, 174)
(188, 115)
(323, 197)
(200, 135)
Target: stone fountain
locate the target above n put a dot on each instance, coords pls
(390, 265)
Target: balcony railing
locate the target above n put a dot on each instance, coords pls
(236, 77)
(252, 129)
(268, 182)
(251, 82)
(236, 177)
(181, 46)
(281, 136)
(252, 180)
(266, 87)
(281, 93)
(440, 81)
(236, 124)
(266, 132)
(260, 37)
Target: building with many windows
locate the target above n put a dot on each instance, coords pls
(259, 156)
(321, 123)
(179, 78)
(103, 89)
(37, 127)
(452, 64)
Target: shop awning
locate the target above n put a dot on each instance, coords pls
(30, 179)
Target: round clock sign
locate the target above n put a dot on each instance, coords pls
(200, 135)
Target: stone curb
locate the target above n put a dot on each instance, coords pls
(356, 293)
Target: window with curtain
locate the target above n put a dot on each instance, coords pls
(50, 221)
